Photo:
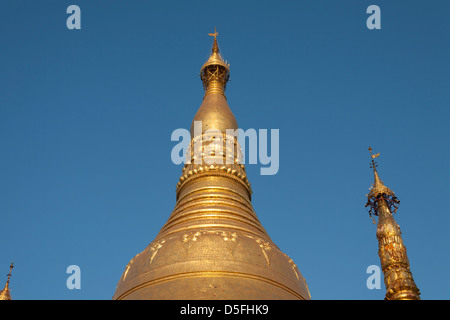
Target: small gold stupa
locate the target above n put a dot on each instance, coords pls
(212, 246)
(5, 294)
(398, 278)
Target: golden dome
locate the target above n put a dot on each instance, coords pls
(213, 245)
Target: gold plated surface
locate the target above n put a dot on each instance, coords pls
(398, 278)
(213, 245)
(5, 294)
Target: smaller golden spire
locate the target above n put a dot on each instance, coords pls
(5, 294)
(398, 278)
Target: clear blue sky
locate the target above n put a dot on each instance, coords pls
(86, 118)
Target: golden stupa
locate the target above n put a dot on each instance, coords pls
(398, 277)
(212, 246)
(5, 294)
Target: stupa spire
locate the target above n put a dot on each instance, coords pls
(398, 278)
(215, 72)
(379, 190)
(213, 245)
(215, 48)
(5, 294)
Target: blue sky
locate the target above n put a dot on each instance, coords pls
(86, 118)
